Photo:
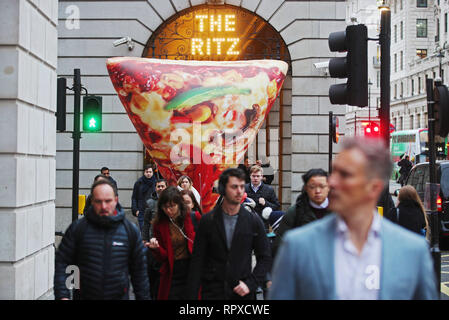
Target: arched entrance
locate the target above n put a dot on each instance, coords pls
(225, 32)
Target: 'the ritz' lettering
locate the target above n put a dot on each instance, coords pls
(201, 46)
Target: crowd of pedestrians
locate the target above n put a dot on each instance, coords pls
(330, 244)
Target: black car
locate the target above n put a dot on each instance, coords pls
(418, 177)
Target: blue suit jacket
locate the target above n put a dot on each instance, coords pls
(304, 266)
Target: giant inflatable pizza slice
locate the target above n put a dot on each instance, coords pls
(196, 118)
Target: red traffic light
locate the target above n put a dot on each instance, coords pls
(372, 129)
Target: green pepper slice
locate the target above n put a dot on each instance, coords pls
(198, 95)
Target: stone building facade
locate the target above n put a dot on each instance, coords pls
(86, 43)
(413, 44)
(28, 62)
(419, 49)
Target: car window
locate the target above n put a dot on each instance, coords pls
(444, 183)
(426, 176)
(413, 178)
(420, 182)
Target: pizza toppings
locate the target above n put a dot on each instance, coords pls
(229, 99)
(198, 95)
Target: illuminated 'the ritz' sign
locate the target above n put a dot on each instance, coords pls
(216, 45)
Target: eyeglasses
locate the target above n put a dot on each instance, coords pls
(314, 187)
(168, 206)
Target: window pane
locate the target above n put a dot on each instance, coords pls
(421, 28)
(395, 62)
(402, 60)
(445, 22)
(445, 182)
(422, 53)
(395, 33)
(421, 3)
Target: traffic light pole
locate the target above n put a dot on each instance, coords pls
(385, 40)
(434, 222)
(330, 140)
(384, 114)
(76, 142)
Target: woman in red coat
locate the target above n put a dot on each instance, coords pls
(172, 244)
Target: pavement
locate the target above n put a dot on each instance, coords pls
(444, 288)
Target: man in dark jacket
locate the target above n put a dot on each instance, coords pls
(105, 171)
(105, 250)
(147, 234)
(142, 191)
(150, 210)
(222, 252)
(261, 193)
(406, 165)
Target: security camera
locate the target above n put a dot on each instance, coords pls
(127, 40)
(120, 41)
(321, 65)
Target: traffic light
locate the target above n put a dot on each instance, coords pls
(372, 129)
(354, 66)
(92, 117)
(334, 133)
(61, 104)
(441, 110)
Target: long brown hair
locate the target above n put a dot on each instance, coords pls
(185, 177)
(170, 195)
(196, 206)
(408, 193)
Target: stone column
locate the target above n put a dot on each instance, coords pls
(28, 58)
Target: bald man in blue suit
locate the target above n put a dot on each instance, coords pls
(354, 254)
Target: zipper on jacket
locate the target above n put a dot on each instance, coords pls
(106, 256)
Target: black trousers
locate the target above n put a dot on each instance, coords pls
(178, 287)
(153, 274)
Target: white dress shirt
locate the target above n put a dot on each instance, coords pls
(357, 276)
(255, 188)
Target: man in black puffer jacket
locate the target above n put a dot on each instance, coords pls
(106, 248)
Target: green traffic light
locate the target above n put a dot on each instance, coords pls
(92, 123)
(92, 113)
